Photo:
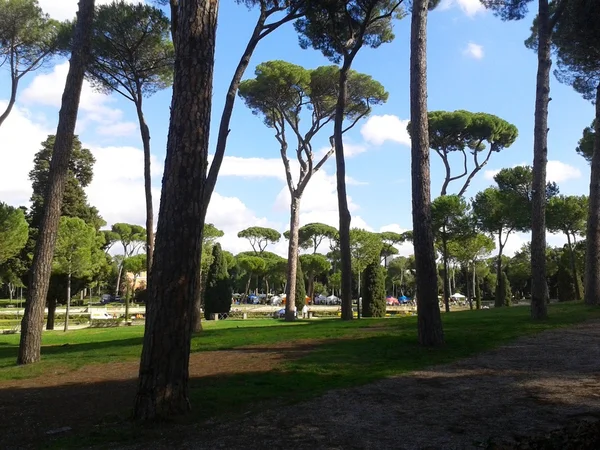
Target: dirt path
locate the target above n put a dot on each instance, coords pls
(532, 386)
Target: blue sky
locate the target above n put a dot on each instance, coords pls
(476, 62)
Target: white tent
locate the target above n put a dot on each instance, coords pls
(457, 295)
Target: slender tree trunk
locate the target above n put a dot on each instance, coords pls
(292, 266)
(592, 254)
(145, 131)
(467, 287)
(573, 267)
(428, 311)
(358, 301)
(51, 313)
(119, 275)
(175, 275)
(499, 299)
(13, 96)
(68, 309)
(475, 286)
(33, 320)
(446, 275)
(248, 284)
(539, 292)
(344, 227)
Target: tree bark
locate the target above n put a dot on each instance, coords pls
(51, 314)
(120, 273)
(197, 315)
(175, 275)
(592, 254)
(467, 284)
(573, 267)
(33, 320)
(429, 318)
(340, 164)
(446, 275)
(499, 300)
(539, 292)
(68, 308)
(13, 96)
(145, 131)
(292, 266)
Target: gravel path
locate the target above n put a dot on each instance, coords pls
(532, 386)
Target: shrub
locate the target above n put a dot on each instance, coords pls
(373, 298)
(300, 299)
(217, 298)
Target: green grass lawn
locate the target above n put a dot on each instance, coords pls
(352, 353)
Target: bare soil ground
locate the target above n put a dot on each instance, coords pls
(533, 386)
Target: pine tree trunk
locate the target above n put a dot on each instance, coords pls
(592, 254)
(428, 310)
(539, 292)
(51, 313)
(446, 276)
(68, 309)
(573, 268)
(292, 266)
(467, 285)
(197, 315)
(175, 275)
(13, 95)
(39, 278)
(477, 302)
(145, 131)
(119, 275)
(499, 300)
(344, 227)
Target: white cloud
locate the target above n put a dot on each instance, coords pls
(469, 7)
(379, 129)
(47, 89)
(21, 139)
(66, 9)
(556, 171)
(474, 51)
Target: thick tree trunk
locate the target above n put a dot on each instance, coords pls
(446, 276)
(145, 131)
(344, 227)
(573, 268)
(51, 314)
(13, 96)
(428, 310)
(175, 275)
(292, 266)
(33, 320)
(539, 292)
(68, 308)
(592, 254)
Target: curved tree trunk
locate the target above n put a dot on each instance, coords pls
(344, 227)
(13, 97)
(292, 266)
(175, 275)
(592, 254)
(428, 310)
(39, 279)
(145, 131)
(539, 290)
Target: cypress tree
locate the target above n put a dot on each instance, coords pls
(507, 292)
(300, 288)
(218, 287)
(373, 299)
